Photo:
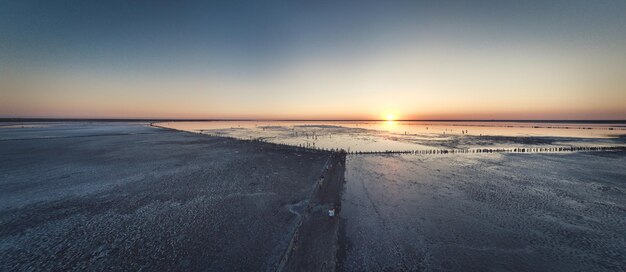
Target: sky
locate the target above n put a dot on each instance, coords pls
(563, 59)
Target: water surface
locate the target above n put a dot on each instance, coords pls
(376, 136)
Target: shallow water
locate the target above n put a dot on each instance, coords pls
(377, 136)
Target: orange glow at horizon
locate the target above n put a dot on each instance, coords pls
(390, 117)
(420, 83)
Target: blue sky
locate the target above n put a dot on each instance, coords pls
(287, 59)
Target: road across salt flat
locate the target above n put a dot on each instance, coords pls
(127, 197)
(484, 212)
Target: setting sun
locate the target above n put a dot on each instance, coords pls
(353, 135)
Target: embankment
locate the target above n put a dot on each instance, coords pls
(314, 245)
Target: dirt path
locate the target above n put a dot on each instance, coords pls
(314, 246)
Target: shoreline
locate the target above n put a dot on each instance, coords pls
(439, 151)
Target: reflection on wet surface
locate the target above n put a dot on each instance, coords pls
(380, 136)
(487, 212)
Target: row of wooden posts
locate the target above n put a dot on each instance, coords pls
(499, 150)
(448, 151)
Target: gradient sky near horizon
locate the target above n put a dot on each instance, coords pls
(562, 59)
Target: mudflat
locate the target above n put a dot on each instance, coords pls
(130, 197)
(484, 212)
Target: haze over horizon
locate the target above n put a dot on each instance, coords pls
(324, 60)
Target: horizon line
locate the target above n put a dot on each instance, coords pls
(44, 119)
